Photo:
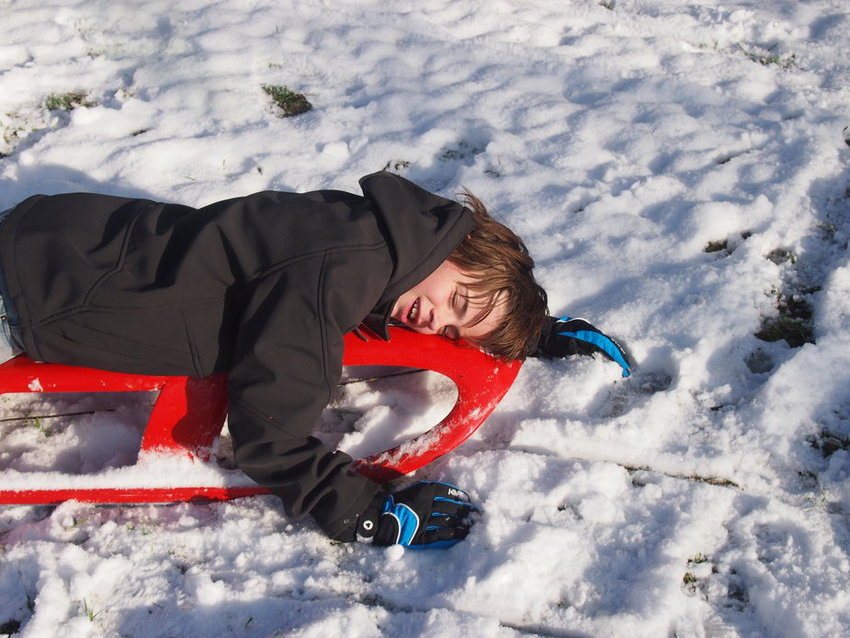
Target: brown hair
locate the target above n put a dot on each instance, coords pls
(498, 261)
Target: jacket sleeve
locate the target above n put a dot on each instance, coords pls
(288, 359)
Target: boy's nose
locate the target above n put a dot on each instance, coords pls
(433, 321)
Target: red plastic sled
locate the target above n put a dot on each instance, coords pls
(189, 413)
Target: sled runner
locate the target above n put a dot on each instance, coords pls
(189, 413)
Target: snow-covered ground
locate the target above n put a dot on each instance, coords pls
(681, 172)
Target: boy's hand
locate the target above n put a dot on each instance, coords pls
(426, 515)
(568, 336)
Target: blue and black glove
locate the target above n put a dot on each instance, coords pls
(426, 515)
(568, 336)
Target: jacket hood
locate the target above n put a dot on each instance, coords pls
(422, 229)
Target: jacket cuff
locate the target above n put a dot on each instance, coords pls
(367, 522)
(365, 506)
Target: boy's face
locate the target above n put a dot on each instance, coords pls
(439, 304)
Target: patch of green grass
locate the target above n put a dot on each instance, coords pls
(712, 480)
(795, 332)
(461, 151)
(722, 245)
(717, 246)
(67, 101)
(827, 230)
(16, 126)
(396, 165)
(288, 101)
(781, 255)
(495, 170)
(829, 442)
(38, 423)
(698, 569)
(771, 59)
(793, 323)
(90, 613)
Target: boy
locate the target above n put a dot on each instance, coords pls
(263, 288)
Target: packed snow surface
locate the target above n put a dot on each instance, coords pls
(680, 172)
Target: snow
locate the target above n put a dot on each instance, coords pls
(706, 496)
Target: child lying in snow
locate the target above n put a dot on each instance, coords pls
(263, 288)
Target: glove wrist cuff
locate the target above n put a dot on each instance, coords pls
(367, 521)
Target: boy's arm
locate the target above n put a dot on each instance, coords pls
(566, 336)
(287, 360)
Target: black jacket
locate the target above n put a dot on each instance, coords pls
(262, 287)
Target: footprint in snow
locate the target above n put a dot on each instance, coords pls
(630, 392)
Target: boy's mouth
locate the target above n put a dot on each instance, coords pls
(414, 312)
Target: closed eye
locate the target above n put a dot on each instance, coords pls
(465, 307)
(460, 302)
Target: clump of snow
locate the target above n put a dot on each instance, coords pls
(708, 495)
